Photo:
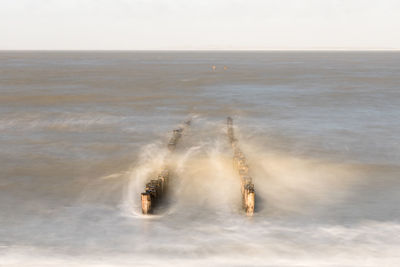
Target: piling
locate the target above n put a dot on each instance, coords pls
(156, 189)
(146, 202)
(240, 165)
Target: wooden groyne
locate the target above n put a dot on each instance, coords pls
(240, 164)
(156, 189)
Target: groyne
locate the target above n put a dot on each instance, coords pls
(241, 166)
(156, 189)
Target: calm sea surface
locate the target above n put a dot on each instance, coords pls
(82, 132)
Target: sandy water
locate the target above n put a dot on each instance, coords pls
(81, 132)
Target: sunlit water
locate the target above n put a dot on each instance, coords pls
(81, 133)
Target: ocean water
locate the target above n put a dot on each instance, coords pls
(81, 133)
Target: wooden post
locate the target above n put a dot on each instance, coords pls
(146, 203)
(250, 200)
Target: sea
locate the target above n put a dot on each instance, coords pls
(81, 132)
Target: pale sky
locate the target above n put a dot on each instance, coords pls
(199, 24)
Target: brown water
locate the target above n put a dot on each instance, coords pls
(81, 132)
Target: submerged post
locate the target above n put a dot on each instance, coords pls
(240, 164)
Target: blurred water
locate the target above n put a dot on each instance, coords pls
(81, 132)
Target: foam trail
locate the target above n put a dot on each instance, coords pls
(225, 178)
(181, 159)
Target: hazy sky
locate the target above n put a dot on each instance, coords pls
(199, 24)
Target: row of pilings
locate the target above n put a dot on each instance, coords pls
(156, 189)
(240, 165)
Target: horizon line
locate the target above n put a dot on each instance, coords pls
(202, 50)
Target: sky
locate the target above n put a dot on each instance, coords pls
(199, 24)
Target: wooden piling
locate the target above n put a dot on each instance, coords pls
(156, 189)
(249, 199)
(240, 165)
(146, 203)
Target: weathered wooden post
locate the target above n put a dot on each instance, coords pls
(146, 203)
(250, 199)
(163, 181)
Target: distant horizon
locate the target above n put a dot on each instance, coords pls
(201, 50)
